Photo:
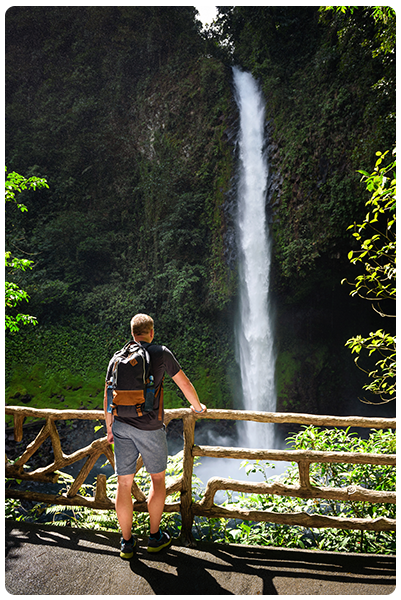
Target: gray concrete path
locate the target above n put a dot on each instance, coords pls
(41, 559)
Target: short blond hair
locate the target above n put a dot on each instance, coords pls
(141, 324)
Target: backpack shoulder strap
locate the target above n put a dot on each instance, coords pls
(154, 350)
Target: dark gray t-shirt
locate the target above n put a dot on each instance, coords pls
(163, 361)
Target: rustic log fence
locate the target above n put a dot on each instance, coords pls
(206, 507)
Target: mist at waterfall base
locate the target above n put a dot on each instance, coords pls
(209, 467)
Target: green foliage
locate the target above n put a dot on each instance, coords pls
(384, 372)
(40, 388)
(14, 295)
(75, 345)
(71, 361)
(377, 254)
(15, 184)
(69, 366)
(384, 17)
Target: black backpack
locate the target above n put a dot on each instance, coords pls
(129, 381)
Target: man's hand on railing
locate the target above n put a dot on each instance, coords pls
(203, 407)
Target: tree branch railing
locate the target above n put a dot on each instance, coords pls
(206, 507)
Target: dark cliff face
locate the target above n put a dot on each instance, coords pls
(128, 112)
(315, 372)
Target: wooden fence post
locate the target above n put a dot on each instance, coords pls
(303, 469)
(186, 490)
(18, 427)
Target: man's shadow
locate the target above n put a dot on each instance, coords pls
(193, 574)
(247, 570)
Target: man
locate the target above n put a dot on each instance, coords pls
(145, 435)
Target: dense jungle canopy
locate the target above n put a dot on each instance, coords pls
(128, 113)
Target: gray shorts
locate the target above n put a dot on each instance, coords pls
(129, 442)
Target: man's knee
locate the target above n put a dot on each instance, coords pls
(158, 479)
(125, 481)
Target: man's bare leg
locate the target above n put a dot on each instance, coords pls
(156, 499)
(124, 504)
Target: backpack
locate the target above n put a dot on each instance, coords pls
(129, 381)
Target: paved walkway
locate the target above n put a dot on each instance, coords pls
(41, 559)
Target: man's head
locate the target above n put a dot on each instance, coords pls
(141, 325)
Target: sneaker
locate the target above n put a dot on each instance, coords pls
(155, 545)
(127, 548)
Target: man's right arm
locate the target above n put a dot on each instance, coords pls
(108, 417)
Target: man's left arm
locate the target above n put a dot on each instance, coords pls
(189, 392)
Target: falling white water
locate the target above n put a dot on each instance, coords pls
(254, 333)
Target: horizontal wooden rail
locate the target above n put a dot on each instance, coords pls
(216, 414)
(351, 492)
(302, 519)
(311, 456)
(100, 501)
(206, 507)
(299, 418)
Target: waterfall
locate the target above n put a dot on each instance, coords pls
(254, 334)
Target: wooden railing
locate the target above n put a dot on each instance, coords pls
(206, 507)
